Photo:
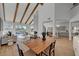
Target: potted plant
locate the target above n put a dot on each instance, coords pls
(44, 36)
(35, 34)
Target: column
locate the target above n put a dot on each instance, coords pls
(36, 22)
(13, 28)
(70, 35)
(54, 27)
(53, 19)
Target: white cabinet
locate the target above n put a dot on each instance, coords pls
(76, 45)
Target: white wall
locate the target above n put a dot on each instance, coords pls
(58, 11)
(35, 21)
(74, 11)
(63, 14)
(62, 11)
(44, 13)
(1, 16)
(75, 14)
(74, 17)
(1, 11)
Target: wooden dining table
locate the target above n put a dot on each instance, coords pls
(38, 45)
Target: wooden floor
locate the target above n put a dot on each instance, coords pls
(63, 48)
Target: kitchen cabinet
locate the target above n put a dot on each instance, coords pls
(76, 45)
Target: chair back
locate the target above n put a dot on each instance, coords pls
(53, 44)
(52, 48)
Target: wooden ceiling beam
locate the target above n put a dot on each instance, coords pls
(17, 6)
(25, 12)
(3, 10)
(32, 12)
(31, 22)
(41, 3)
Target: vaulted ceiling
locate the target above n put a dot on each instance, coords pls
(20, 12)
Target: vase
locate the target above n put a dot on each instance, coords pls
(44, 36)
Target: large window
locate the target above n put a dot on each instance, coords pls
(9, 26)
(22, 27)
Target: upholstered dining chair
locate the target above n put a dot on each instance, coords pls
(20, 51)
(23, 50)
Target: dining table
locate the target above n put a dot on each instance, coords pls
(38, 45)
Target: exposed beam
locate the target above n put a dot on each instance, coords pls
(17, 6)
(41, 3)
(3, 10)
(25, 12)
(31, 22)
(32, 12)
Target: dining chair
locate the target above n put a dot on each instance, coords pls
(20, 51)
(50, 50)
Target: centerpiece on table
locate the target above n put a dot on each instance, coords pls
(44, 36)
(35, 34)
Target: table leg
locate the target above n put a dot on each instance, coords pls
(39, 54)
(50, 49)
(0, 45)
